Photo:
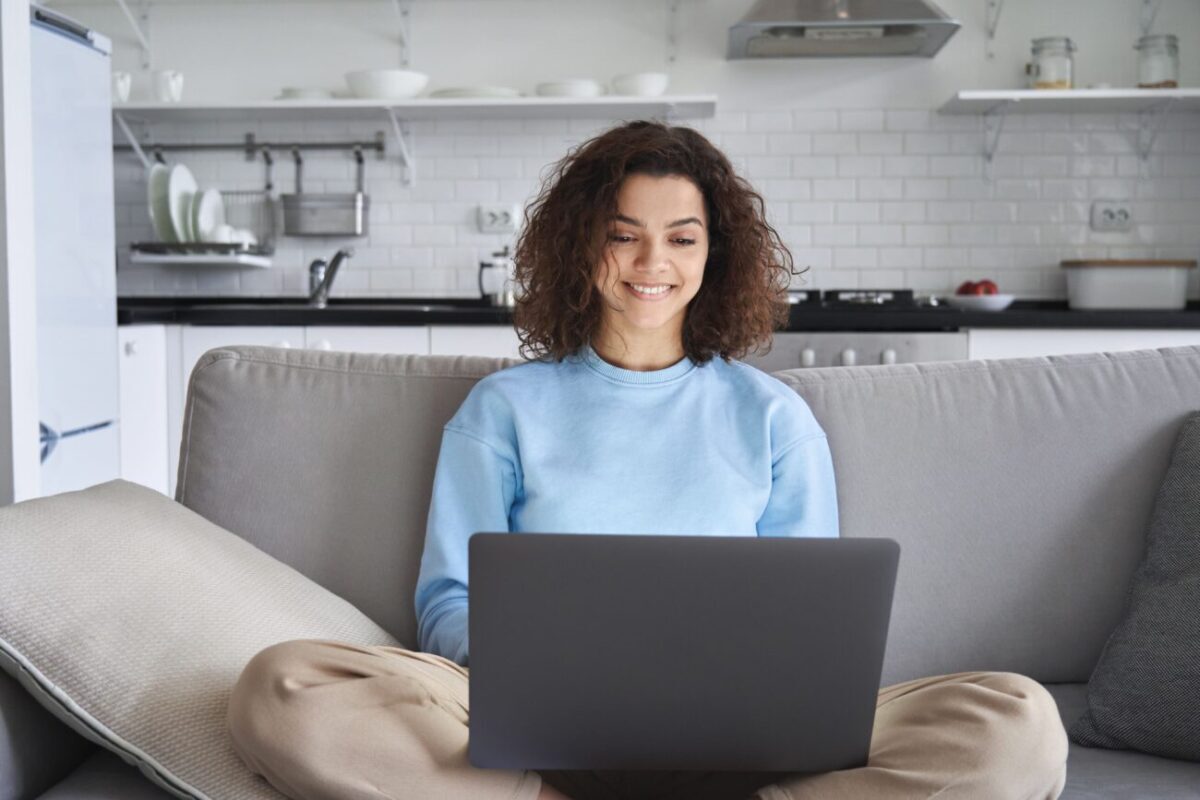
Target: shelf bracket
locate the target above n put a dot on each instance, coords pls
(133, 143)
(1150, 121)
(992, 10)
(137, 29)
(672, 30)
(1148, 14)
(993, 125)
(402, 142)
(404, 34)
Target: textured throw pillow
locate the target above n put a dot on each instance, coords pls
(130, 618)
(1145, 691)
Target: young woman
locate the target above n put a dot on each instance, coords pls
(647, 268)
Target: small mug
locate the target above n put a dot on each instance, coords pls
(168, 86)
(121, 81)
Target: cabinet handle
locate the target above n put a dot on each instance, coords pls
(283, 343)
(849, 357)
(131, 348)
(324, 344)
(888, 357)
(808, 357)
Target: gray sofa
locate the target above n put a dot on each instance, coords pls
(1019, 490)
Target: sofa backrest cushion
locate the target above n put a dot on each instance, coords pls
(1018, 489)
(325, 460)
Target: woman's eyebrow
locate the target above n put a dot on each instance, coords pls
(638, 223)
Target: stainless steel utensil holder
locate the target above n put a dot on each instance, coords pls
(325, 214)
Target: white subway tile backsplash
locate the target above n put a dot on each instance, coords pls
(866, 197)
(835, 236)
(834, 144)
(804, 119)
(907, 120)
(833, 189)
(876, 235)
(813, 167)
(860, 167)
(857, 212)
(769, 121)
(880, 189)
(861, 120)
(789, 143)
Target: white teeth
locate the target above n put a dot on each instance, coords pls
(651, 289)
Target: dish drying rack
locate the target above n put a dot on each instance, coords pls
(254, 210)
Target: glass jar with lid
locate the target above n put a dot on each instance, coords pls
(1053, 65)
(1158, 61)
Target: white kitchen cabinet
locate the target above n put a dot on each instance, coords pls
(368, 338)
(1022, 342)
(474, 340)
(195, 341)
(142, 355)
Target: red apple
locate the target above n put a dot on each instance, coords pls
(966, 287)
(989, 287)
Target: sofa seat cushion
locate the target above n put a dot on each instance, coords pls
(1097, 773)
(104, 776)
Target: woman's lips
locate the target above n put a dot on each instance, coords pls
(648, 297)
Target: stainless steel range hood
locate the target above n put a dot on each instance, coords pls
(840, 28)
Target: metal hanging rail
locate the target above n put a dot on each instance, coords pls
(251, 146)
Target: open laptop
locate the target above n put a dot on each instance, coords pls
(630, 652)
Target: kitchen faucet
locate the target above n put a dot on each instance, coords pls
(321, 275)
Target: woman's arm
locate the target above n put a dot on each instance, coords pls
(473, 490)
(803, 500)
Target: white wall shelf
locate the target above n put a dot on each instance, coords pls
(1151, 105)
(1070, 101)
(667, 106)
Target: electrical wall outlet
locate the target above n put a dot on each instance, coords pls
(498, 218)
(1112, 215)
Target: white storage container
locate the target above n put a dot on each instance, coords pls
(1138, 283)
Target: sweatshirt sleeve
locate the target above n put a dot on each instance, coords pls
(803, 499)
(473, 490)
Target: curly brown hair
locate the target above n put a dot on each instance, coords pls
(743, 295)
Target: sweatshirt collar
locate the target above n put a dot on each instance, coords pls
(622, 375)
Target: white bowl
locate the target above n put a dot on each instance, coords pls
(386, 84)
(980, 302)
(570, 88)
(641, 84)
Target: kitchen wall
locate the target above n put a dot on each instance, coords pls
(867, 183)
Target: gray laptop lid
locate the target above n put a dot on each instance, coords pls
(627, 652)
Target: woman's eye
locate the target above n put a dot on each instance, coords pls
(617, 237)
(686, 241)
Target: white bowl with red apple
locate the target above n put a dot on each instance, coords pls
(981, 295)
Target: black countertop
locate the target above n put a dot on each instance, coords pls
(458, 311)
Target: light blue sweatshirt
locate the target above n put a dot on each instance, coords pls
(583, 446)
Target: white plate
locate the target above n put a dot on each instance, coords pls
(303, 93)
(181, 185)
(980, 302)
(570, 88)
(477, 91)
(156, 202)
(208, 211)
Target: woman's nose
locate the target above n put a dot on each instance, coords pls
(651, 254)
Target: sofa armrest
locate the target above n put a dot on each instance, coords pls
(36, 750)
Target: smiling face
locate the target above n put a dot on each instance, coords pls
(653, 263)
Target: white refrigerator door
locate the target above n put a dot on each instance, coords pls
(78, 368)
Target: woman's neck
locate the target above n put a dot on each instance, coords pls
(642, 354)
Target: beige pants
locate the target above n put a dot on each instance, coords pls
(325, 720)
